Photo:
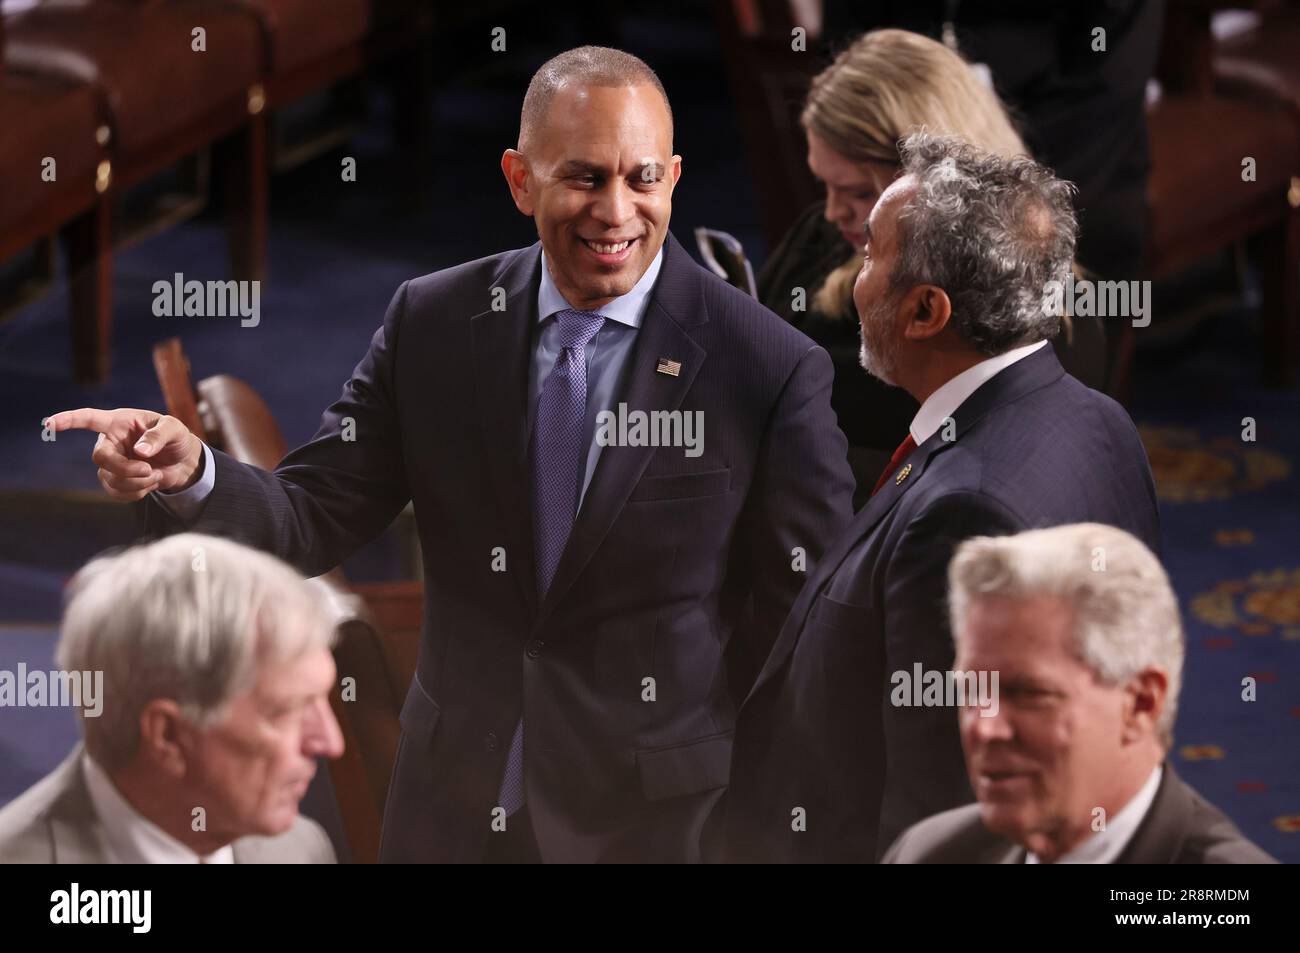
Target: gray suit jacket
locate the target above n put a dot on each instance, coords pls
(54, 822)
(1180, 828)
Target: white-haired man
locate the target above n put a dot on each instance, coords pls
(216, 670)
(1082, 626)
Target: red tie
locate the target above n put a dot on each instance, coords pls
(904, 448)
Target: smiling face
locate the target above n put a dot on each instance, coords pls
(1052, 752)
(252, 767)
(598, 178)
(852, 188)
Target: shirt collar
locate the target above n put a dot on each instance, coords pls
(940, 405)
(1106, 845)
(132, 838)
(626, 309)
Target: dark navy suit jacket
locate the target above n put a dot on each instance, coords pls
(671, 561)
(1033, 447)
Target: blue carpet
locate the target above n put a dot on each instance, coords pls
(32, 740)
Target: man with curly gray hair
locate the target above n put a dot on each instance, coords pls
(837, 747)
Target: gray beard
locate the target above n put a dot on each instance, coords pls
(879, 363)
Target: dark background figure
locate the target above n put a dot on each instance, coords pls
(1081, 109)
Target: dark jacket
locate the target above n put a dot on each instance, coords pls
(1181, 827)
(1032, 447)
(672, 559)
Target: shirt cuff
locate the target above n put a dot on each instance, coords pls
(186, 504)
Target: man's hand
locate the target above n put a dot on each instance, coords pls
(138, 451)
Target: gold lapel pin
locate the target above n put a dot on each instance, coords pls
(902, 475)
(666, 366)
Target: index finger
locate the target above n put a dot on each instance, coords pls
(84, 418)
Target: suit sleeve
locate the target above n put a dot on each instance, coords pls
(800, 501)
(925, 770)
(329, 496)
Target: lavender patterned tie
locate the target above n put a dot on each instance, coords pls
(557, 459)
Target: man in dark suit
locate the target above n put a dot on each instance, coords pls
(960, 252)
(1081, 625)
(621, 469)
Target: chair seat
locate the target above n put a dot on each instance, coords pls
(296, 32)
(141, 54)
(44, 117)
(1197, 148)
(1265, 57)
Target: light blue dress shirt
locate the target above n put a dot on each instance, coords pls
(607, 360)
(607, 354)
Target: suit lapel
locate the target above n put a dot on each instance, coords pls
(1159, 838)
(502, 349)
(1028, 374)
(862, 525)
(675, 306)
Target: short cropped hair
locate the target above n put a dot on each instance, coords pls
(584, 65)
(991, 231)
(1125, 612)
(190, 617)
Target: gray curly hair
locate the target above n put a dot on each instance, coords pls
(991, 232)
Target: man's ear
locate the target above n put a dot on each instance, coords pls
(520, 179)
(675, 172)
(164, 736)
(926, 310)
(1144, 700)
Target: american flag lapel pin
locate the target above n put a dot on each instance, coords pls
(669, 367)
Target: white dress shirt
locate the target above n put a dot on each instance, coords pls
(1105, 846)
(944, 402)
(129, 837)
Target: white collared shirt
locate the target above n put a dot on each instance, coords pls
(941, 405)
(1105, 846)
(128, 837)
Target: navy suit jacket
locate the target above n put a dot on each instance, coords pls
(677, 569)
(1032, 447)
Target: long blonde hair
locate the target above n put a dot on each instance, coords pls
(886, 85)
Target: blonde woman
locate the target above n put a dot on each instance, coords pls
(887, 84)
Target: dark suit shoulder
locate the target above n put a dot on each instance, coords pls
(470, 281)
(761, 332)
(1214, 839)
(1055, 443)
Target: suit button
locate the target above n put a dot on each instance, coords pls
(535, 648)
(491, 741)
